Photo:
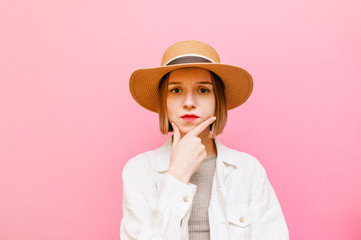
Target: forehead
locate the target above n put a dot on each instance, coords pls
(190, 75)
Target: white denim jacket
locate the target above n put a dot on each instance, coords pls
(243, 204)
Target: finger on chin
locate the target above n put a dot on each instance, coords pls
(202, 126)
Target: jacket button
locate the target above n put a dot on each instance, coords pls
(241, 219)
(185, 199)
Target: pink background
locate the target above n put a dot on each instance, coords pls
(68, 123)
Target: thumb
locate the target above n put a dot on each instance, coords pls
(176, 134)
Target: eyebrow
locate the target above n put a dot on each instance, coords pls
(175, 83)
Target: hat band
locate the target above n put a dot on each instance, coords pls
(188, 59)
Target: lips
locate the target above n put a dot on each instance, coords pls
(189, 117)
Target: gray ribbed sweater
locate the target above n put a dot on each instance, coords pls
(199, 222)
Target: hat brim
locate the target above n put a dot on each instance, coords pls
(143, 83)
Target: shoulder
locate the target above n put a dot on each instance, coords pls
(140, 163)
(149, 162)
(248, 159)
(244, 161)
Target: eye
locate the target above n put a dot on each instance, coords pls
(203, 90)
(176, 90)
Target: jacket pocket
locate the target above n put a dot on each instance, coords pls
(239, 222)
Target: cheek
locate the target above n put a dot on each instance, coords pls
(170, 105)
(172, 102)
(211, 105)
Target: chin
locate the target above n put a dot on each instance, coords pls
(186, 129)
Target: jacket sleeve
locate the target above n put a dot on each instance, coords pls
(268, 222)
(148, 214)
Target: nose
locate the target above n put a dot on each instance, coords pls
(189, 101)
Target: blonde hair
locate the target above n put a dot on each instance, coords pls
(220, 107)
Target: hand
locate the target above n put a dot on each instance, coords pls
(187, 153)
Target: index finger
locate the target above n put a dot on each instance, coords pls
(200, 128)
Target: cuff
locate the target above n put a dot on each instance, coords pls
(177, 195)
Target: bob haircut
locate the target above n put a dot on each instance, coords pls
(220, 106)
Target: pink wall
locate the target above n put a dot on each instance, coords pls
(67, 117)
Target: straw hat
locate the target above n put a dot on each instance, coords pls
(143, 83)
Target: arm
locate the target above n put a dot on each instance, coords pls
(268, 219)
(155, 216)
(148, 214)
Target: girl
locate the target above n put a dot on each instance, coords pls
(193, 187)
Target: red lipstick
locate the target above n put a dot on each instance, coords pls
(189, 117)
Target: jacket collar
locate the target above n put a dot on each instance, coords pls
(163, 155)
